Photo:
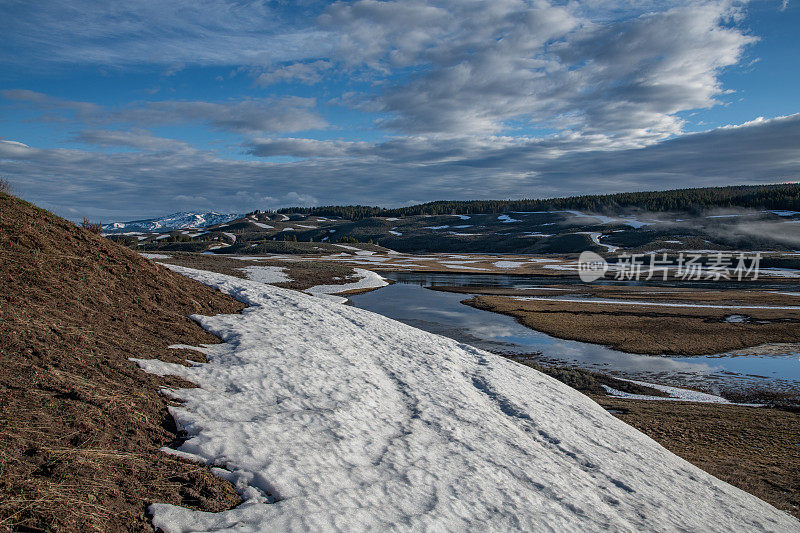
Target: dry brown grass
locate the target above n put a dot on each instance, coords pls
(94, 227)
(80, 424)
(648, 329)
(304, 274)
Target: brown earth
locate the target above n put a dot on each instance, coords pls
(649, 329)
(304, 274)
(80, 424)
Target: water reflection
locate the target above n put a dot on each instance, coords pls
(442, 313)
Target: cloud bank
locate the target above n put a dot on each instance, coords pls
(385, 102)
(151, 182)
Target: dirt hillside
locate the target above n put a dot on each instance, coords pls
(81, 425)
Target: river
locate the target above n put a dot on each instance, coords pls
(409, 300)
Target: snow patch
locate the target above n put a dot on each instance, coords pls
(460, 265)
(328, 417)
(676, 394)
(508, 264)
(595, 237)
(367, 280)
(266, 274)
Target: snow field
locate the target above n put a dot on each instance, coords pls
(328, 417)
(367, 280)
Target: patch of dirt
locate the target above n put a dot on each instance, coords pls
(80, 424)
(649, 329)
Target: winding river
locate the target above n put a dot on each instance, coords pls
(409, 300)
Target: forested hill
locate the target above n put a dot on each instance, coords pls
(782, 196)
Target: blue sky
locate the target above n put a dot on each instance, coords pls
(136, 109)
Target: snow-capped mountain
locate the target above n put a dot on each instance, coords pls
(171, 222)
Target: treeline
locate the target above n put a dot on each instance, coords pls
(782, 196)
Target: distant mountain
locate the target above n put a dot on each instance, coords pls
(521, 232)
(171, 222)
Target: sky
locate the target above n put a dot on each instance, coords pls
(118, 111)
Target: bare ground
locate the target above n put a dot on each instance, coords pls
(685, 294)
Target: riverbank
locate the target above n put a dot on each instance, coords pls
(653, 327)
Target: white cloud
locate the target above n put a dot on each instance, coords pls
(308, 73)
(250, 115)
(485, 66)
(138, 32)
(136, 138)
(44, 102)
(466, 88)
(620, 69)
(245, 116)
(139, 184)
(305, 148)
(15, 150)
